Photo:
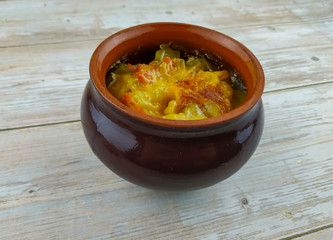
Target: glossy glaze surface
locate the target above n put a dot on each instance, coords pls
(144, 156)
(167, 154)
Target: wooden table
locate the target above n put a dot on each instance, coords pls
(53, 187)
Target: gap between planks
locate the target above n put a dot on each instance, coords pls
(78, 120)
(103, 38)
(219, 29)
(276, 50)
(40, 125)
(308, 232)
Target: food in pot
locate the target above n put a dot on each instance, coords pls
(177, 86)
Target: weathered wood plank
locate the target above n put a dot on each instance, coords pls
(43, 84)
(53, 187)
(43, 89)
(325, 234)
(28, 23)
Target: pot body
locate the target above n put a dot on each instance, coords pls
(168, 158)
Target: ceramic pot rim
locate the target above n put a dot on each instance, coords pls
(98, 70)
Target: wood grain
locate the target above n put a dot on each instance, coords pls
(44, 84)
(53, 187)
(60, 190)
(26, 23)
(325, 234)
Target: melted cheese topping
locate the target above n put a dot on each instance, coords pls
(172, 90)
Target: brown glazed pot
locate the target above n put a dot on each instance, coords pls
(172, 154)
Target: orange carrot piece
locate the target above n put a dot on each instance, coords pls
(167, 60)
(129, 101)
(131, 67)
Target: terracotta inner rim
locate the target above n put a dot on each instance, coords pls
(195, 37)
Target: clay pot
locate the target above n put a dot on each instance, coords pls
(172, 154)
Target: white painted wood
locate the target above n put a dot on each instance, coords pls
(26, 22)
(44, 83)
(52, 186)
(40, 84)
(326, 234)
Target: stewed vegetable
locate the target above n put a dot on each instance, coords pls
(177, 88)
